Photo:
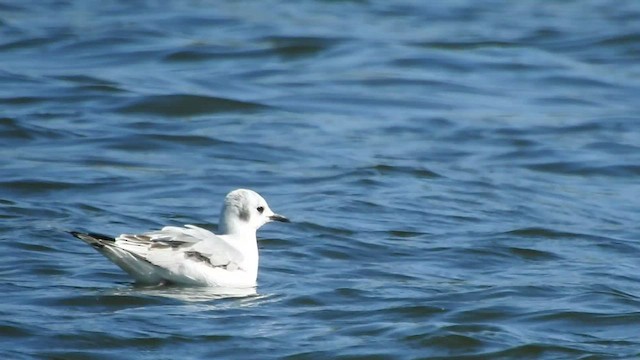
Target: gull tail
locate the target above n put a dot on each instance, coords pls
(134, 264)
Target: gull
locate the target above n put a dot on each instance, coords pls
(191, 255)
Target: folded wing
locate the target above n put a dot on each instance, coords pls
(185, 255)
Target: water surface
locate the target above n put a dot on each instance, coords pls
(463, 176)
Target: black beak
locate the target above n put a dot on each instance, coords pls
(276, 217)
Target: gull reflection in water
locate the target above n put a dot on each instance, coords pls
(197, 294)
(189, 294)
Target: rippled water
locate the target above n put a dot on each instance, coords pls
(463, 176)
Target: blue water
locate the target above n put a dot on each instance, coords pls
(463, 177)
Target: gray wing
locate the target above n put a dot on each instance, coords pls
(163, 246)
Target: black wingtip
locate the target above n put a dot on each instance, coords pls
(96, 236)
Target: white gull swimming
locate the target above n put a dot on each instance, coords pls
(191, 255)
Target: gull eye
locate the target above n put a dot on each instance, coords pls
(260, 209)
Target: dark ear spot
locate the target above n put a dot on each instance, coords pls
(244, 214)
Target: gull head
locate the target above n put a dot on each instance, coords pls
(245, 211)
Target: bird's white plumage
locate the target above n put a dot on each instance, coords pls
(192, 255)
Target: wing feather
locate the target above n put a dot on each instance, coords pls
(167, 247)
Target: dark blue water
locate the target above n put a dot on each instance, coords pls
(463, 176)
